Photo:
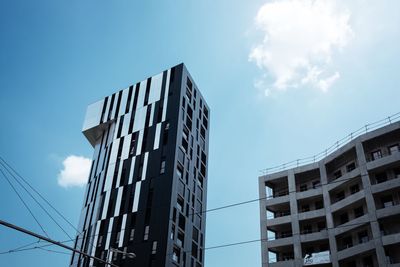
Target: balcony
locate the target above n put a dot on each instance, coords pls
(314, 236)
(345, 163)
(387, 203)
(355, 250)
(383, 185)
(281, 256)
(348, 201)
(279, 235)
(383, 161)
(343, 179)
(351, 225)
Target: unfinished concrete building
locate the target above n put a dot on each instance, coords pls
(341, 210)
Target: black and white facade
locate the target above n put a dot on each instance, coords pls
(148, 180)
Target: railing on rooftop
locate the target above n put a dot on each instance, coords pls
(338, 144)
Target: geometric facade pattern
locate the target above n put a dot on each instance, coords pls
(148, 181)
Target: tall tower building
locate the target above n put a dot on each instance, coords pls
(147, 186)
(341, 209)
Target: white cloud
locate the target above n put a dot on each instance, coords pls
(300, 37)
(75, 171)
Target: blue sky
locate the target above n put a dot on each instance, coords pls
(278, 90)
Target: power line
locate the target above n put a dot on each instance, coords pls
(211, 247)
(25, 231)
(8, 167)
(37, 202)
(22, 200)
(39, 194)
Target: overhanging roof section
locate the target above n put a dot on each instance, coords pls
(92, 128)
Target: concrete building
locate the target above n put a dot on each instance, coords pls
(342, 209)
(148, 181)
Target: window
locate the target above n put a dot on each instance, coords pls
(363, 237)
(146, 232)
(180, 239)
(387, 201)
(347, 242)
(154, 248)
(340, 196)
(393, 149)
(354, 189)
(180, 204)
(117, 238)
(397, 172)
(124, 254)
(195, 234)
(321, 226)
(307, 229)
(305, 207)
(100, 241)
(162, 168)
(303, 187)
(337, 174)
(381, 177)
(358, 212)
(194, 250)
(368, 262)
(377, 154)
(351, 167)
(179, 172)
(316, 184)
(319, 205)
(176, 255)
(344, 218)
(132, 235)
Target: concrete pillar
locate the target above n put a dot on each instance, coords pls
(329, 218)
(371, 209)
(298, 257)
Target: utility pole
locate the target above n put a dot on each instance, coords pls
(25, 231)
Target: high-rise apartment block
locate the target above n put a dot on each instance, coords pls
(148, 181)
(341, 210)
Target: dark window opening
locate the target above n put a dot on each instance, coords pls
(377, 154)
(358, 212)
(340, 196)
(394, 149)
(344, 218)
(351, 167)
(162, 167)
(381, 177)
(337, 174)
(303, 188)
(354, 189)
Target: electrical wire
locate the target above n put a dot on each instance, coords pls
(22, 200)
(39, 194)
(37, 202)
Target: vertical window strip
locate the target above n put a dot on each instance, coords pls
(128, 102)
(123, 230)
(131, 171)
(116, 110)
(110, 109)
(105, 205)
(105, 105)
(157, 136)
(136, 197)
(118, 202)
(146, 96)
(166, 95)
(146, 157)
(109, 232)
(124, 100)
